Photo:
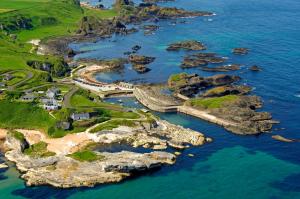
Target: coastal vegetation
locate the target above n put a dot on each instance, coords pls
(209, 103)
(24, 115)
(38, 150)
(17, 135)
(86, 155)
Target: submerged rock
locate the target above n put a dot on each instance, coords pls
(225, 68)
(283, 139)
(240, 51)
(255, 68)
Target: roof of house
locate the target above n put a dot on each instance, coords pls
(28, 96)
(80, 115)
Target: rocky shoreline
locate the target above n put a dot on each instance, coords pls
(61, 170)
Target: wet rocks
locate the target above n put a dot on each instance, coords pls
(284, 139)
(3, 166)
(255, 68)
(136, 48)
(186, 45)
(240, 51)
(150, 29)
(201, 59)
(224, 68)
(222, 79)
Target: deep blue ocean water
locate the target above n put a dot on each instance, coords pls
(232, 167)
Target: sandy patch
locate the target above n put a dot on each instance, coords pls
(3, 133)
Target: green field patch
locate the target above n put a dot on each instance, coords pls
(38, 150)
(214, 102)
(24, 115)
(86, 155)
(17, 135)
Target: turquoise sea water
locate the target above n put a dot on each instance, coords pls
(232, 167)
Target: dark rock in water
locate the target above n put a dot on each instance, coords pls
(150, 29)
(255, 68)
(220, 80)
(201, 59)
(139, 62)
(140, 68)
(227, 90)
(240, 51)
(136, 48)
(225, 68)
(140, 59)
(191, 62)
(186, 45)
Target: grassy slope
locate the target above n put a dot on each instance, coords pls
(14, 53)
(24, 115)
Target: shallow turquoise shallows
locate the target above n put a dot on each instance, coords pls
(232, 167)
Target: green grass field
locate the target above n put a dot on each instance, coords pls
(209, 103)
(49, 18)
(24, 115)
(86, 155)
(38, 150)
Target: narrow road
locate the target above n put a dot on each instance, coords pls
(67, 97)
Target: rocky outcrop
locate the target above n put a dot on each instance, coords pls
(189, 85)
(61, 170)
(225, 68)
(255, 68)
(220, 80)
(186, 45)
(153, 12)
(150, 29)
(201, 59)
(90, 25)
(240, 51)
(284, 139)
(238, 113)
(140, 62)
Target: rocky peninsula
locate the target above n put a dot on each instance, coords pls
(79, 164)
